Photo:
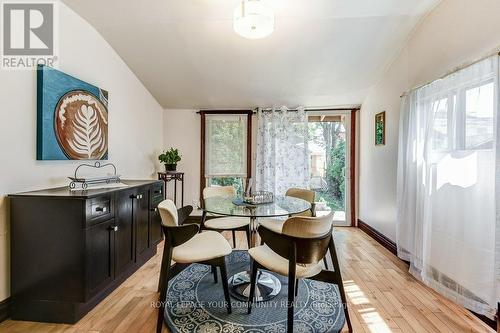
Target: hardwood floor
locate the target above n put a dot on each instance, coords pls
(383, 297)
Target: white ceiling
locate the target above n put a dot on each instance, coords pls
(322, 53)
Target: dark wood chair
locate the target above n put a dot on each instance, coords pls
(185, 245)
(498, 317)
(226, 223)
(276, 225)
(313, 238)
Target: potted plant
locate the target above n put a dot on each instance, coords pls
(170, 159)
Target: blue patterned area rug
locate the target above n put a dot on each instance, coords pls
(196, 304)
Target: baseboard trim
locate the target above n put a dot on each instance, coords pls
(380, 238)
(5, 309)
(490, 322)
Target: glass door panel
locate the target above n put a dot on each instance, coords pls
(329, 142)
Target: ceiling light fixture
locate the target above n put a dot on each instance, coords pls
(253, 20)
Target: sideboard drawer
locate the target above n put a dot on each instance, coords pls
(100, 209)
(156, 195)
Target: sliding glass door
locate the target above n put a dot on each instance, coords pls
(329, 150)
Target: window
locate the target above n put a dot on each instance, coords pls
(463, 118)
(441, 126)
(479, 111)
(226, 148)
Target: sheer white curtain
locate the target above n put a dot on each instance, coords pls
(282, 152)
(448, 166)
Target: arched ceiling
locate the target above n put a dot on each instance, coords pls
(322, 52)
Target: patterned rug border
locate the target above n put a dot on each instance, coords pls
(192, 315)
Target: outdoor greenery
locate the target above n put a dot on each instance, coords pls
(335, 174)
(171, 156)
(236, 182)
(332, 202)
(331, 136)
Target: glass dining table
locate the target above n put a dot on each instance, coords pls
(268, 285)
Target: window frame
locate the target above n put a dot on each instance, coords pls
(481, 83)
(456, 120)
(203, 113)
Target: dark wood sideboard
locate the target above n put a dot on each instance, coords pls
(70, 249)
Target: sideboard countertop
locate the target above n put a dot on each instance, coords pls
(66, 192)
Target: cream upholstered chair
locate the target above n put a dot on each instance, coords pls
(276, 224)
(297, 252)
(306, 195)
(232, 223)
(185, 245)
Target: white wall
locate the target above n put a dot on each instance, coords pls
(181, 130)
(135, 121)
(454, 33)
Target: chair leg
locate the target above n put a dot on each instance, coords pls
(163, 285)
(248, 232)
(291, 298)
(234, 238)
(223, 275)
(202, 222)
(214, 272)
(325, 262)
(165, 264)
(253, 283)
(339, 282)
(296, 287)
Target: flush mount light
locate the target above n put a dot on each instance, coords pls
(253, 20)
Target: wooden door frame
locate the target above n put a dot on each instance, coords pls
(352, 167)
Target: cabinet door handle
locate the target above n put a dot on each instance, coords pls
(101, 209)
(113, 228)
(138, 196)
(157, 192)
(154, 209)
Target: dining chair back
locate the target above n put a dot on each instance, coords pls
(226, 223)
(303, 194)
(307, 227)
(168, 213)
(218, 191)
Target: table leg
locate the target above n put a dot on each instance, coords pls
(268, 285)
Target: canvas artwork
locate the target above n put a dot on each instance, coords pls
(72, 118)
(380, 129)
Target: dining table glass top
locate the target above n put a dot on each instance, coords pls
(281, 206)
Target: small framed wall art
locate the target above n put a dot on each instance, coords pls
(380, 129)
(72, 118)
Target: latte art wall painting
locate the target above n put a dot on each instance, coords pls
(72, 118)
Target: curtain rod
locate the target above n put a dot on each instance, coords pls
(459, 68)
(254, 111)
(320, 110)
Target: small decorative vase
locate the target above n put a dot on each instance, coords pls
(170, 167)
